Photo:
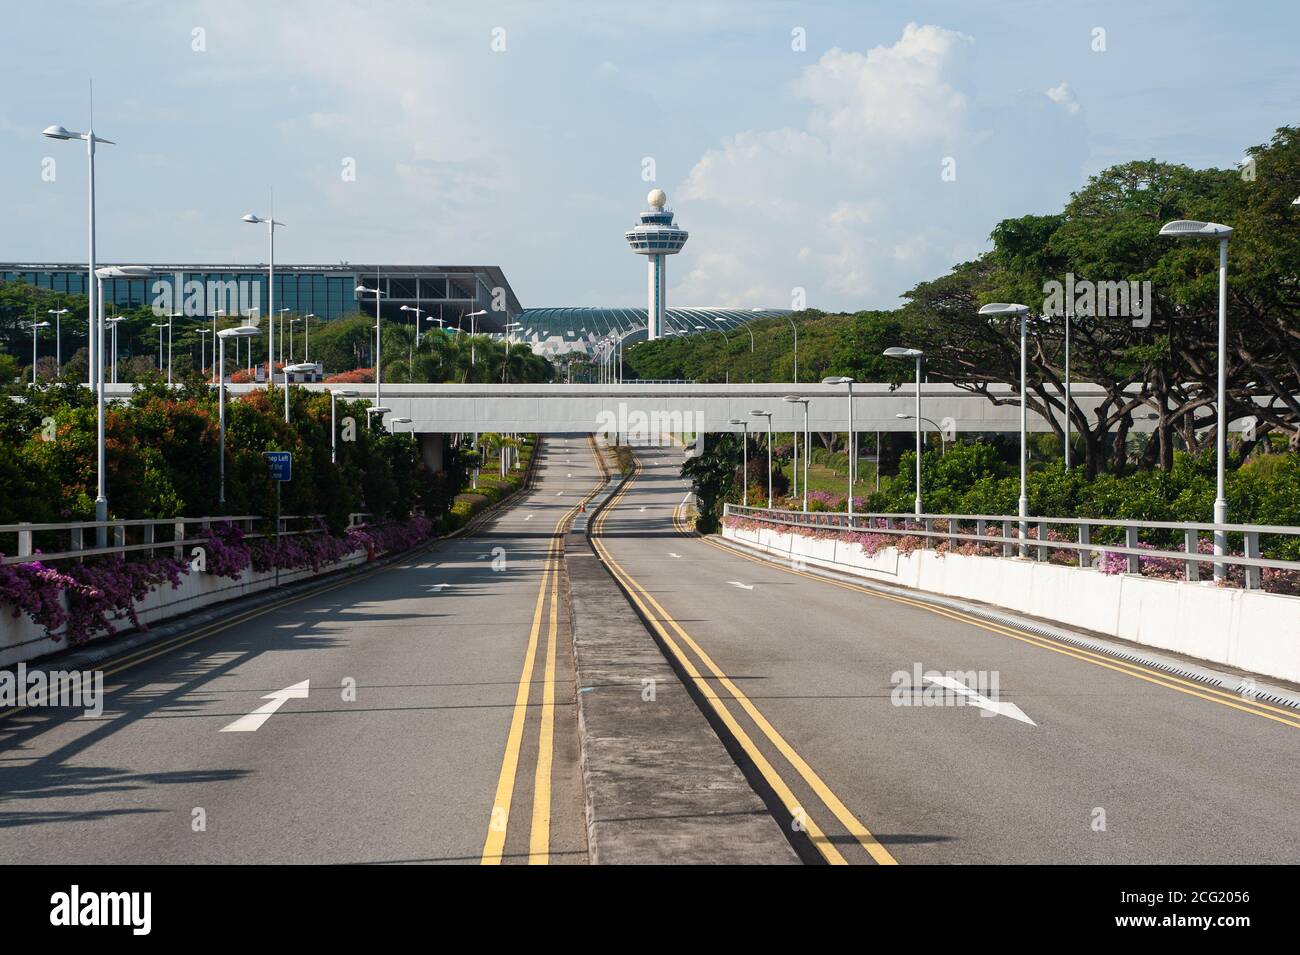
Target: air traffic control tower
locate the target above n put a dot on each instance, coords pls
(656, 237)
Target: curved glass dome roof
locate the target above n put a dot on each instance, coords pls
(553, 331)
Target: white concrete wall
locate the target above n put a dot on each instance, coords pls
(1249, 629)
(21, 639)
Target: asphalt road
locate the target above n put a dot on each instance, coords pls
(460, 744)
(1117, 766)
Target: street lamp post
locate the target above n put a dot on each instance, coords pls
(92, 288)
(239, 331)
(292, 322)
(1014, 310)
(744, 467)
(334, 396)
(376, 410)
(282, 313)
(306, 335)
(1069, 320)
(473, 324)
(417, 310)
(203, 333)
(97, 370)
(295, 370)
(379, 344)
(1191, 228)
(917, 355)
(113, 323)
(35, 328)
(943, 442)
(852, 445)
(768, 416)
(271, 224)
(807, 449)
(160, 326)
(58, 314)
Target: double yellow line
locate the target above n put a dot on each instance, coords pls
(670, 632)
(539, 839)
(1287, 717)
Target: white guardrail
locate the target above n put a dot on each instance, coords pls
(1031, 534)
(149, 534)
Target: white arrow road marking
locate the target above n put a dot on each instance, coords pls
(440, 587)
(254, 720)
(737, 583)
(529, 517)
(558, 493)
(983, 702)
(671, 554)
(643, 510)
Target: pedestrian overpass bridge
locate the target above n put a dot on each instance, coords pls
(656, 408)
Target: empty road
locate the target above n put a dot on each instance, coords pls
(1071, 757)
(421, 713)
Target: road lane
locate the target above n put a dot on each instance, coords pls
(1113, 768)
(396, 753)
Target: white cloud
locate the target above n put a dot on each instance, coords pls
(1063, 96)
(851, 203)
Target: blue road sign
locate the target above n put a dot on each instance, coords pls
(281, 464)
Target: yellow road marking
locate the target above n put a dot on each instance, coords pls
(1157, 677)
(500, 816)
(832, 802)
(499, 820)
(539, 846)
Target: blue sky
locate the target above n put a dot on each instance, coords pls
(818, 169)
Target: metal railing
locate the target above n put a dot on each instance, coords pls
(1025, 535)
(134, 536)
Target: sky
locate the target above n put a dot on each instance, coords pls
(829, 154)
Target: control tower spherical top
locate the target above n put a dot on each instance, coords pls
(657, 198)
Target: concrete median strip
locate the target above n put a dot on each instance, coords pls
(660, 785)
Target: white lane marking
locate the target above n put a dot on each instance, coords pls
(671, 554)
(983, 702)
(643, 510)
(558, 493)
(737, 583)
(482, 557)
(439, 587)
(529, 517)
(252, 721)
(429, 565)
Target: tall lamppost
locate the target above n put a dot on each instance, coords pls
(473, 317)
(58, 314)
(1069, 320)
(917, 355)
(845, 380)
(92, 287)
(334, 396)
(239, 331)
(509, 336)
(306, 334)
(203, 333)
(281, 313)
(744, 467)
(292, 322)
(292, 370)
(379, 344)
(393, 422)
(768, 416)
(1192, 228)
(1015, 310)
(97, 375)
(112, 324)
(35, 327)
(271, 225)
(160, 327)
(416, 310)
(376, 410)
(807, 449)
(943, 442)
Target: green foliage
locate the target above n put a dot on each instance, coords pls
(714, 477)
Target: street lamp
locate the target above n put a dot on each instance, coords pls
(306, 334)
(95, 304)
(807, 451)
(417, 311)
(917, 354)
(292, 322)
(845, 380)
(160, 327)
(943, 442)
(281, 313)
(397, 421)
(271, 224)
(296, 370)
(1014, 310)
(58, 314)
(768, 416)
(744, 467)
(334, 396)
(239, 331)
(113, 323)
(1191, 228)
(472, 325)
(35, 327)
(373, 410)
(379, 344)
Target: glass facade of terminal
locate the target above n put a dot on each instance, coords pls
(559, 330)
(445, 293)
